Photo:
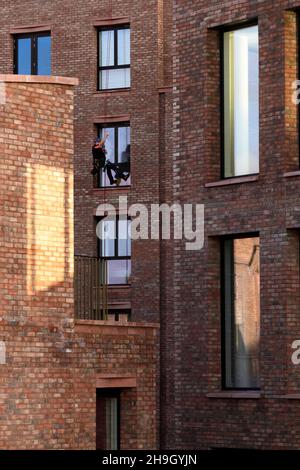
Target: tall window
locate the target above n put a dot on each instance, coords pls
(114, 58)
(241, 312)
(118, 149)
(107, 420)
(115, 247)
(241, 102)
(32, 54)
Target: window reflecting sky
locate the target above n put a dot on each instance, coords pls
(24, 56)
(44, 55)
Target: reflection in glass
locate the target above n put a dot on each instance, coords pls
(24, 56)
(123, 46)
(123, 142)
(124, 149)
(242, 312)
(107, 421)
(115, 78)
(241, 102)
(110, 148)
(124, 239)
(108, 238)
(114, 58)
(107, 47)
(118, 150)
(116, 248)
(44, 55)
(119, 271)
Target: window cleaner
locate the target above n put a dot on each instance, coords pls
(121, 170)
(99, 154)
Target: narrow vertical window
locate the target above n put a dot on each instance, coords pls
(114, 58)
(32, 54)
(24, 56)
(43, 55)
(107, 420)
(241, 312)
(241, 102)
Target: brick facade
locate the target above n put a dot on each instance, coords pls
(53, 365)
(174, 110)
(203, 415)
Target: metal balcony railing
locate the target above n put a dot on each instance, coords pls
(90, 285)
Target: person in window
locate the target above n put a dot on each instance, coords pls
(125, 162)
(99, 154)
(121, 170)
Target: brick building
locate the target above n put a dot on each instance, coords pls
(236, 151)
(106, 381)
(202, 94)
(61, 377)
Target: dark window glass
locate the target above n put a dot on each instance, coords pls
(33, 54)
(114, 58)
(241, 299)
(118, 150)
(107, 420)
(115, 247)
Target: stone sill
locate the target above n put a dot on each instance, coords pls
(247, 394)
(116, 323)
(291, 396)
(115, 381)
(290, 174)
(119, 286)
(123, 91)
(230, 181)
(115, 328)
(111, 190)
(165, 89)
(14, 78)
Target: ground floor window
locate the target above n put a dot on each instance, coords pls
(107, 419)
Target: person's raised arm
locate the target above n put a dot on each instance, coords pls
(102, 141)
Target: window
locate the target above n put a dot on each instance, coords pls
(119, 315)
(114, 58)
(241, 312)
(32, 54)
(115, 247)
(107, 420)
(118, 150)
(241, 102)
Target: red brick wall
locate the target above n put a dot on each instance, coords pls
(74, 53)
(36, 253)
(117, 350)
(176, 140)
(36, 140)
(49, 380)
(269, 205)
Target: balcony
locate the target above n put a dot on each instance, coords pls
(90, 288)
(94, 298)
